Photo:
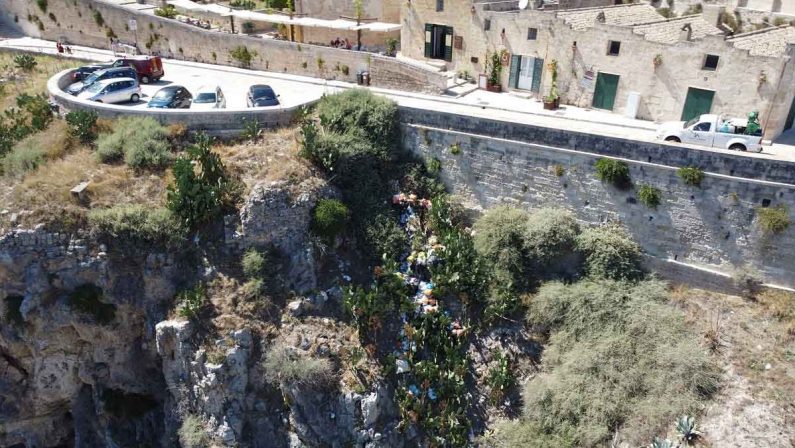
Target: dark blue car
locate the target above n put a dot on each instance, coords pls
(260, 95)
(171, 97)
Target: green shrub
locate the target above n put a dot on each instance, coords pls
(42, 4)
(615, 172)
(329, 219)
(691, 175)
(499, 237)
(285, 365)
(141, 141)
(192, 433)
(25, 62)
(38, 110)
(549, 241)
(649, 196)
(610, 253)
(500, 377)
(137, 224)
(243, 55)
(13, 314)
(200, 192)
(388, 237)
(253, 263)
(98, 19)
(191, 302)
(359, 111)
(82, 125)
(87, 299)
(168, 11)
(773, 219)
(244, 4)
(619, 356)
(23, 158)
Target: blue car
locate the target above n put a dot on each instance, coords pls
(171, 97)
(260, 95)
(101, 75)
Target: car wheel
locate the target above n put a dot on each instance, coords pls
(99, 101)
(737, 147)
(145, 79)
(673, 139)
(135, 97)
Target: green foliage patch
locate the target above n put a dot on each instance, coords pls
(137, 224)
(649, 196)
(285, 365)
(618, 357)
(329, 219)
(82, 125)
(773, 220)
(615, 172)
(691, 175)
(610, 253)
(140, 141)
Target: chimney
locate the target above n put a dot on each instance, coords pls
(712, 14)
(686, 34)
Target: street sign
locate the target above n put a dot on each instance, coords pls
(133, 25)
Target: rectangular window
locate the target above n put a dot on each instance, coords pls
(439, 5)
(613, 48)
(711, 62)
(486, 24)
(532, 33)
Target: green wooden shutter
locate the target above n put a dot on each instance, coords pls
(516, 63)
(428, 39)
(698, 102)
(448, 43)
(538, 70)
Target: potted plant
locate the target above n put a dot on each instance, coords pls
(494, 72)
(552, 100)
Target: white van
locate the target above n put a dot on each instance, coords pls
(116, 90)
(712, 130)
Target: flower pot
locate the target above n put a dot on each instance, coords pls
(494, 87)
(551, 104)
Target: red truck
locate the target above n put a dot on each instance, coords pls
(149, 68)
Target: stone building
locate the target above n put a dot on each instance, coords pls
(625, 58)
(387, 11)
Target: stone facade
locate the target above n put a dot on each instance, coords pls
(383, 10)
(579, 41)
(78, 23)
(713, 227)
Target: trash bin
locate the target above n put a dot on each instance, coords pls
(360, 77)
(366, 78)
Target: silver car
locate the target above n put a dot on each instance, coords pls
(116, 90)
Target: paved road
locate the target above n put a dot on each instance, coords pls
(296, 89)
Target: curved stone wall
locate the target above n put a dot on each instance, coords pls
(223, 121)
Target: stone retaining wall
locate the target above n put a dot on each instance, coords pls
(713, 226)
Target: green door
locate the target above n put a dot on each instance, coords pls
(790, 117)
(698, 102)
(604, 96)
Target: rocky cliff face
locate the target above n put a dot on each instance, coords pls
(88, 356)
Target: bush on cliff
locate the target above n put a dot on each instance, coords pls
(288, 366)
(329, 219)
(141, 142)
(610, 253)
(137, 224)
(618, 357)
(201, 187)
(360, 112)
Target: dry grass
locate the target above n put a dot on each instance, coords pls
(44, 194)
(31, 82)
(273, 157)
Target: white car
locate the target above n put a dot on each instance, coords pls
(209, 97)
(116, 90)
(712, 130)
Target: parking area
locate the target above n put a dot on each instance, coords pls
(233, 83)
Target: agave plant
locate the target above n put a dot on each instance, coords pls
(661, 443)
(686, 427)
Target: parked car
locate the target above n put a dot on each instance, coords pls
(116, 90)
(83, 72)
(260, 95)
(149, 68)
(171, 97)
(209, 97)
(713, 131)
(99, 75)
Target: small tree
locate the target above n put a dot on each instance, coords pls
(82, 125)
(25, 62)
(201, 185)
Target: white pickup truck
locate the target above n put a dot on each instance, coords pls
(711, 130)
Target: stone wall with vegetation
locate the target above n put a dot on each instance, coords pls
(721, 224)
(93, 23)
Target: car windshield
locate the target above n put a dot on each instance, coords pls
(162, 95)
(691, 122)
(263, 94)
(207, 97)
(91, 79)
(95, 88)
